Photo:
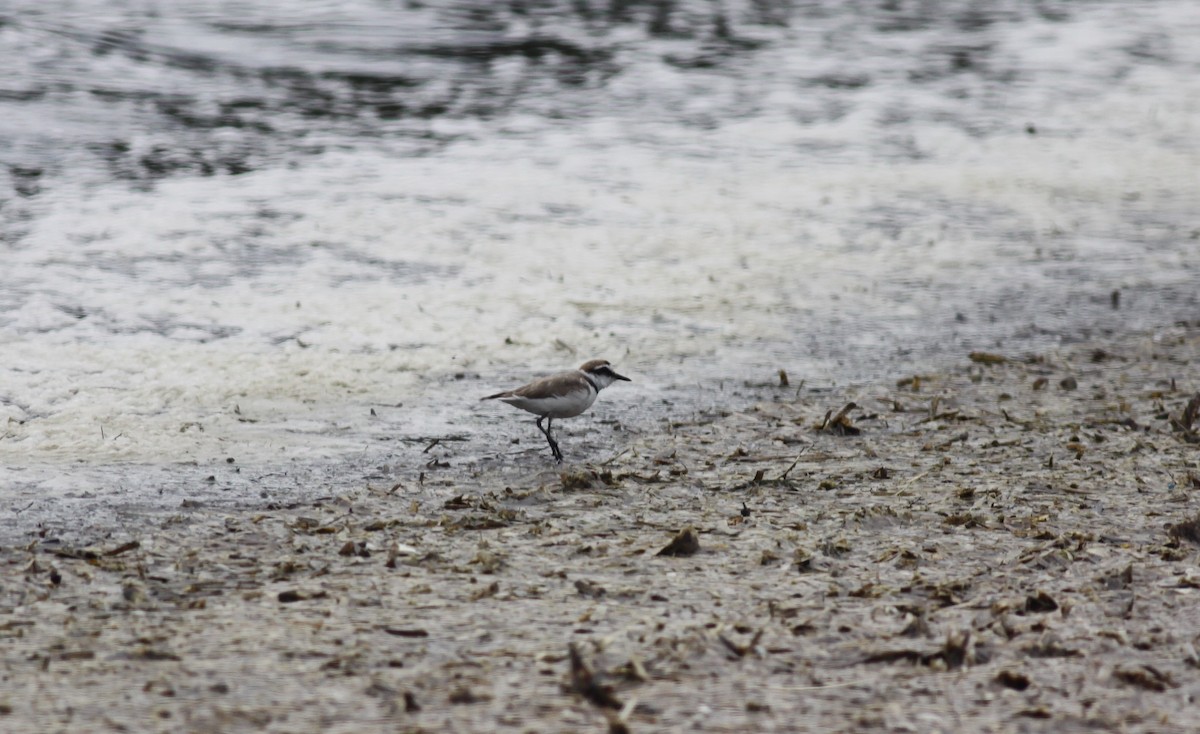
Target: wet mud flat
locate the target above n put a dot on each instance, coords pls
(1009, 545)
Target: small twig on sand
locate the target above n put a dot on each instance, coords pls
(783, 476)
(131, 545)
(613, 458)
(741, 650)
(917, 478)
(843, 684)
(951, 441)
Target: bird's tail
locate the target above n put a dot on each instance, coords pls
(504, 394)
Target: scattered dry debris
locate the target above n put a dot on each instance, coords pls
(123, 548)
(583, 682)
(685, 543)
(465, 695)
(1188, 530)
(1012, 679)
(1040, 603)
(292, 595)
(486, 592)
(1145, 676)
(573, 479)
(587, 588)
(1040, 543)
(741, 651)
(840, 424)
(406, 632)
(953, 653)
(1190, 412)
(1183, 424)
(355, 548)
(987, 358)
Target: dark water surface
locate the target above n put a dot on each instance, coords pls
(128, 91)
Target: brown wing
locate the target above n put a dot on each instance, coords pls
(554, 386)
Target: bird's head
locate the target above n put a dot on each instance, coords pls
(601, 373)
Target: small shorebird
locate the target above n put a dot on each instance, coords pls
(564, 395)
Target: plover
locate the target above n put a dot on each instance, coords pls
(564, 395)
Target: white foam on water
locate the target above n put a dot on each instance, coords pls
(266, 315)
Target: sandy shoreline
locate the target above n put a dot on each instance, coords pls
(993, 552)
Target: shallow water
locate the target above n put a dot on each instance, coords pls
(231, 231)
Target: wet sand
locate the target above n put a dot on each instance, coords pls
(1002, 546)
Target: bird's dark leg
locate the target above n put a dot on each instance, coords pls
(550, 439)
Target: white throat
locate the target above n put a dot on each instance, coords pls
(601, 380)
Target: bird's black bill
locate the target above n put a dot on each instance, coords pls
(619, 377)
